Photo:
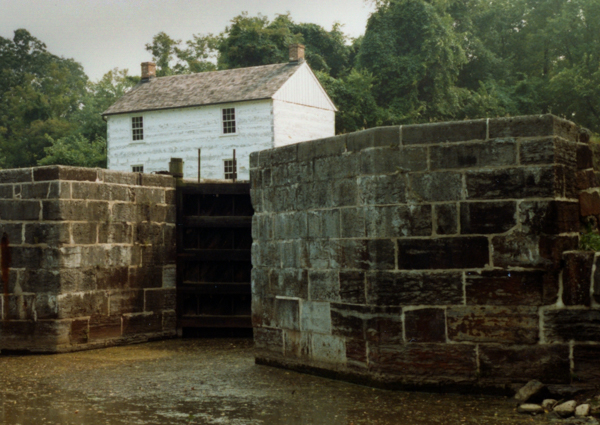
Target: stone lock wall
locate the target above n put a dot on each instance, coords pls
(428, 255)
(92, 258)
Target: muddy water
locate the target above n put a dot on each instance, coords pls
(212, 382)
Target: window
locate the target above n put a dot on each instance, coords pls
(229, 121)
(137, 168)
(137, 128)
(230, 169)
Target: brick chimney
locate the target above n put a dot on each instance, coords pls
(296, 53)
(148, 70)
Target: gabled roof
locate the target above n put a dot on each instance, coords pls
(205, 88)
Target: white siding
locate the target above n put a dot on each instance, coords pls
(303, 88)
(180, 132)
(297, 123)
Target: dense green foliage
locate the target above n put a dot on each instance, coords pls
(418, 61)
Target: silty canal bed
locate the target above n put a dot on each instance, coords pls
(213, 381)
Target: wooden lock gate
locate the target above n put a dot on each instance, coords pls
(214, 240)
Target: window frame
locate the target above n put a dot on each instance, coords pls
(140, 168)
(225, 121)
(233, 173)
(137, 129)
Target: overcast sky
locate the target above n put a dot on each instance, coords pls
(104, 34)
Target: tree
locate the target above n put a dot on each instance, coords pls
(415, 56)
(75, 150)
(38, 93)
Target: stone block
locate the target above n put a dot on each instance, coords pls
(79, 304)
(291, 283)
(297, 344)
(288, 313)
(105, 327)
(331, 168)
(444, 132)
(292, 225)
(46, 190)
(60, 172)
(508, 325)
(27, 257)
(349, 321)
(315, 317)
(84, 233)
(487, 217)
(112, 278)
(13, 231)
(384, 326)
(425, 325)
(436, 186)
(157, 180)
(392, 160)
(148, 233)
(552, 248)
(284, 155)
(13, 209)
(319, 255)
(328, 349)
(20, 306)
(115, 233)
(589, 203)
(585, 179)
(323, 285)
(356, 353)
(548, 150)
(584, 157)
(585, 360)
(508, 364)
(269, 339)
(141, 323)
(124, 212)
(253, 160)
(145, 277)
(331, 146)
(76, 210)
(493, 153)
(169, 274)
(508, 287)
(381, 254)
(52, 234)
(577, 277)
(118, 177)
(79, 331)
(443, 253)
(353, 222)
(149, 195)
(414, 288)
(446, 219)
(349, 254)
(345, 192)
(581, 325)
(313, 196)
(6, 191)
(169, 321)
(398, 221)
(373, 137)
(517, 249)
(533, 126)
(352, 286)
(382, 189)
(85, 190)
(160, 299)
(256, 195)
(324, 223)
(40, 336)
(515, 183)
(429, 362)
(16, 175)
(549, 217)
(46, 306)
(126, 301)
(264, 310)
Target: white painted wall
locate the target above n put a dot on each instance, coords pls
(298, 123)
(179, 133)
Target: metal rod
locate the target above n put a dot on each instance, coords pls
(234, 167)
(199, 165)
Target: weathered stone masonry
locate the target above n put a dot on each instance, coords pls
(93, 258)
(429, 255)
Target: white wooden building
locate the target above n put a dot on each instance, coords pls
(246, 109)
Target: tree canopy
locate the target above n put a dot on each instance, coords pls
(418, 61)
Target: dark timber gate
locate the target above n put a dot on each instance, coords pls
(213, 257)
